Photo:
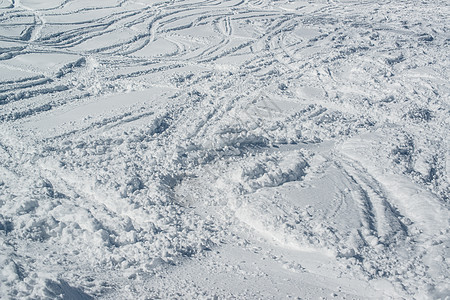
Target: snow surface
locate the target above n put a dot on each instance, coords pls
(218, 149)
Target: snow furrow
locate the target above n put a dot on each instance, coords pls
(224, 149)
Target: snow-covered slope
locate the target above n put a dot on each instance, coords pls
(224, 149)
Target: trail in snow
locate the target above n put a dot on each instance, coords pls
(229, 149)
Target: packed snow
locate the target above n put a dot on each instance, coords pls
(222, 149)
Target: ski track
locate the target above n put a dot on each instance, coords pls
(178, 149)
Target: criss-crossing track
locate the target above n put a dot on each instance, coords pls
(228, 149)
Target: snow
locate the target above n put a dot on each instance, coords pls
(224, 149)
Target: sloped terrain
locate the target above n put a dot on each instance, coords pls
(224, 149)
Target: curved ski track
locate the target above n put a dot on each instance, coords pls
(143, 143)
